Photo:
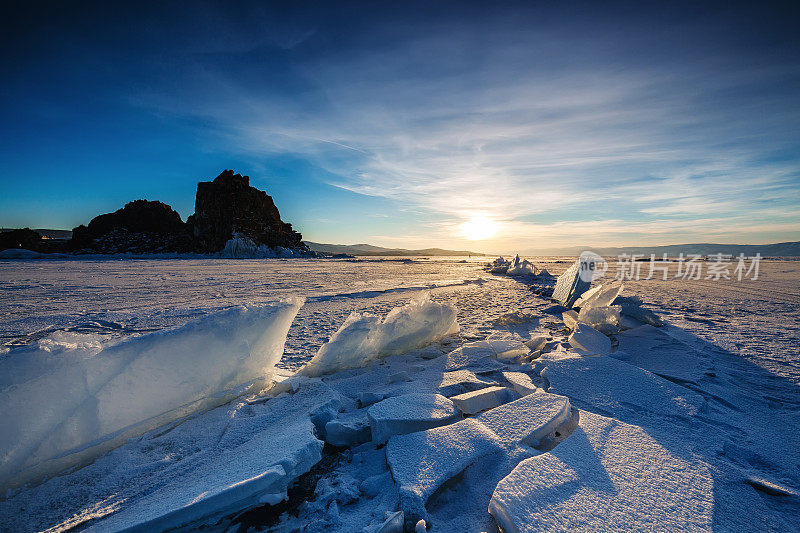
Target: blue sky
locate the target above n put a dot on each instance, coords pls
(397, 123)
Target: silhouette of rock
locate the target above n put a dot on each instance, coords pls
(24, 238)
(139, 216)
(229, 205)
(141, 226)
(225, 208)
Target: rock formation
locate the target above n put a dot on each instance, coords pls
(141, 226)
(229, 205)
(225, 208)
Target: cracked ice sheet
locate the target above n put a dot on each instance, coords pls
(219, 462)
(607, 475)
(461, 381)
(617, 388)
(478, 355)
(408, 413)
(655, 350)
(421, 462)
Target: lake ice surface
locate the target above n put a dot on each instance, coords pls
(746, 430)
(757, 320)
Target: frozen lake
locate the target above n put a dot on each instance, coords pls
(758, 320)
(713, 428)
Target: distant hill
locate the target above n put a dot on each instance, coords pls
(368, 249)
(63, 234)
(780, 249)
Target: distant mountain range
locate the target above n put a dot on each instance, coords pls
(61, 234)
(368, 249)
(780, 249)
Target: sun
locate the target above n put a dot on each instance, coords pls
(479, 227)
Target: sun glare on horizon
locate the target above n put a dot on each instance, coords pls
(478, 228)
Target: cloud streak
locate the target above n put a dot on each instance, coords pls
(560, 137)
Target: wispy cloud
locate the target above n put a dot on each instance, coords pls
(562, 139)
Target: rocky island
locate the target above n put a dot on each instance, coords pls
(231, 218)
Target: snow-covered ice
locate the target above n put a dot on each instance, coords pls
(506, 346)
(570, 318)
(589, 341)
(662, 354)
(398, 377)
(482, 354)
(537, 342)
(220, 462)
(527, 420)
(365, 399)
(461, 381)
(570, 286)
(408, 413)
(607, 475)
(363, 338)
(348, 429)
(75, 408)
(474, 402)
(421, 462)
(473, 354)
(521, 382)
(611, 386)
(736, 417)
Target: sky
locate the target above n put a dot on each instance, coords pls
(492, 126)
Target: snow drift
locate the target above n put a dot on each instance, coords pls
(365, 337)
(67, 412)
